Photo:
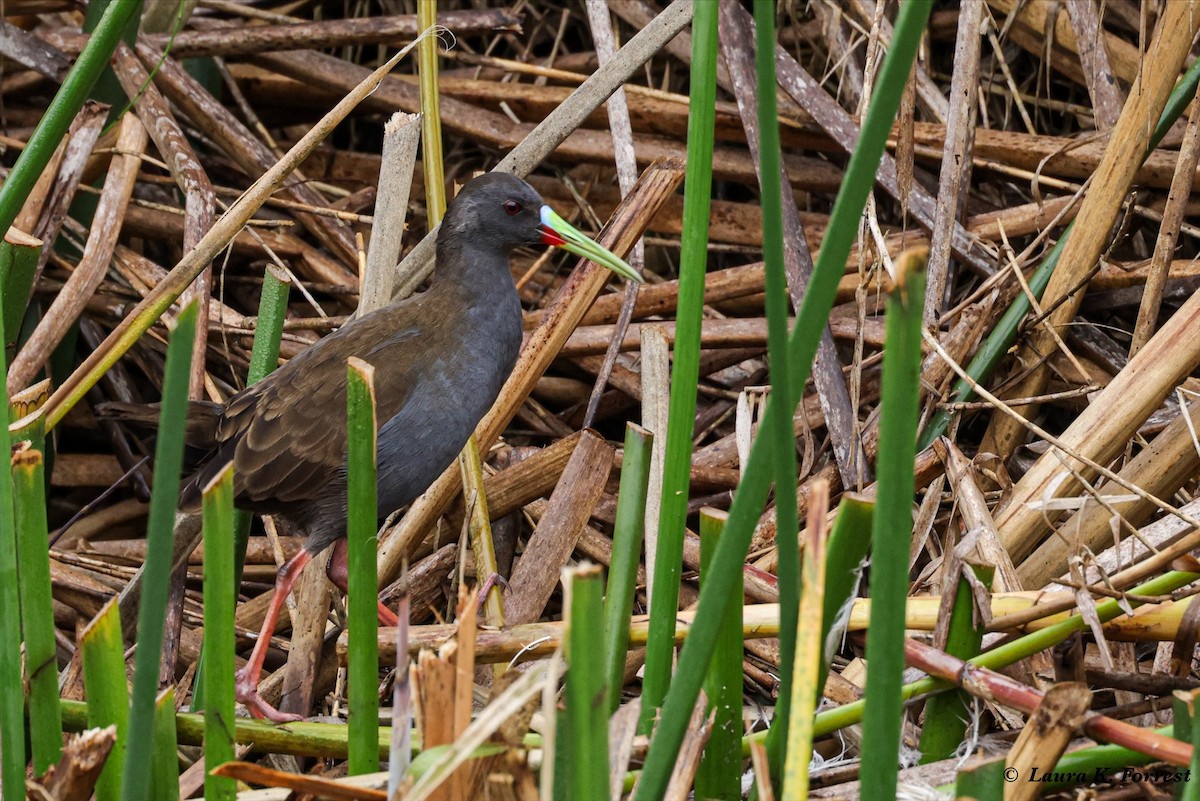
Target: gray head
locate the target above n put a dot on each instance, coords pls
(496, 210)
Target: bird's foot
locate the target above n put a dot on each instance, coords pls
(386, 616)
(246, 691)
(486, 587)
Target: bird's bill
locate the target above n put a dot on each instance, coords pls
(559, 232)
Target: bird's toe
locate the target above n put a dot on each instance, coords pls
(246, 693)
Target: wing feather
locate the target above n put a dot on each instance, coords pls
(286, 435)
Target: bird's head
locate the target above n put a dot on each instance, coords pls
(505, 210)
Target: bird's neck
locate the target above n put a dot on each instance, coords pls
(471, 272)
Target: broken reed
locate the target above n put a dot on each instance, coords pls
(12, 704)
(586, 719)
(720, 771)
(802, 344)
(164, 760)
(103, 650)
(362, 518)
(264, 358)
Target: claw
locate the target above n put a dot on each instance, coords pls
(493, 580)
(246, 691)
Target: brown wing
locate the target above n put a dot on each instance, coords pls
(286, 435)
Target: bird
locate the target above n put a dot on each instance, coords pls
(440, 358)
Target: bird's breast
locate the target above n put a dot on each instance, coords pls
(459, 382)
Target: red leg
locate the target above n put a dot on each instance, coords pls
(338, 571)
(248, 677)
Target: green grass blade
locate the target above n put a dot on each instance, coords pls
(361, 520)
(107, 692)
(685, 370)
(219, 602)
(586, 713)
(1177, 103)
(37, 608)
(996, 346)
(780, 431)
(160, 534)
(720, 773)
(268, 326)
(12, 701)
(947, 714)
(802, 345)
(891, 530)
(108, 89)
(264, 357)
(809, 654)
(164, 762)
(18, 262)
(628, 530)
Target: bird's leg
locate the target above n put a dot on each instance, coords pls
(338, 571)
(248, 677)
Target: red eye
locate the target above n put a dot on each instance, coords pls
(512, 207)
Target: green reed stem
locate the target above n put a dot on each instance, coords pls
(780, 431)
(12, 702)
(361, 520)
(946, 714)
(628, 531)
(160, 535)
(891, 530)
(720, 771)
(164, 761)
(103, 651)
(219, 602)
(264, 358)
(685, 372)
(37, 609)
(587, 714)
